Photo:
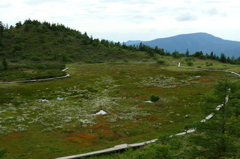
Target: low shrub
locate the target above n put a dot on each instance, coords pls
(161, 62)
(93, 61)
(209, 64)
(154, 98)
(34, 58)
(190, 64)
(14, 60)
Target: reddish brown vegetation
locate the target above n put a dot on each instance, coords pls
(99, 116)
(141, 105)
(154, 88)
(152, 117)
(82, 139)
(14, 136)
(98, 126)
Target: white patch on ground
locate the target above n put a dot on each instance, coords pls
(148, 101)
(101, 112)
(44, 100)
(60, 98)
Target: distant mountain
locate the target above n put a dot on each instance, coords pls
(204, 42)
(133, 42)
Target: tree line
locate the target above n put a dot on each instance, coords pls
(43, 27)
(176, 54)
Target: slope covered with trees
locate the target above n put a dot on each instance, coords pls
(36, 41)
(33, 49)
(46, 47)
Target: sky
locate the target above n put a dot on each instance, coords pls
(123, 20)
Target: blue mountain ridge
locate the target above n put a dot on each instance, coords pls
(194, 42)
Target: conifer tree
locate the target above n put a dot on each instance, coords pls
(223, 58)
(1, 29)
(213, 139)
(187, 53)
(5, 63)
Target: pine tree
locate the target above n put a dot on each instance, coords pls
(213, 139)
(187, 53)
(1, 29)
(223, 58)
(4, 63)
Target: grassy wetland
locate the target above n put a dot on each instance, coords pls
(58, 118)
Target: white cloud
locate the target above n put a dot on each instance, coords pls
(187, 16)
(122, 20)
(37, 2)
(215, 11)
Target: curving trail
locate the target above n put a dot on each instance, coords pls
(125, 146)
(39, 80)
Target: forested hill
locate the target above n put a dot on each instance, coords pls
(195, 42)
(35, 41)
(32, 44)
(37, 50)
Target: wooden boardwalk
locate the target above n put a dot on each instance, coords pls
(113, 149)
(39, 80)
(125, 146)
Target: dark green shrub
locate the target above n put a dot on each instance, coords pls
(161, 62)
(153, 151)
(189, 58)
(190, 64)
(4, 63)
(93, 61)
(154, 98)
(55, 66)
(8, 35)
(2, 53)
(14, 60)
(155, 58)
(41, 66)
(2, 153)
(209, 64)
(17, 47)
(19, 38)
(34, 58)
(65, 58)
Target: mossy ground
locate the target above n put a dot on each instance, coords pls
(31, 128)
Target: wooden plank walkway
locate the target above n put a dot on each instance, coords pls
(39, 80)
(125, 146)
(113, 149)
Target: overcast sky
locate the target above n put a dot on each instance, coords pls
(122, 20)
